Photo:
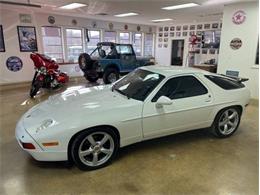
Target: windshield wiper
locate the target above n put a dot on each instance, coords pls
(121, 92)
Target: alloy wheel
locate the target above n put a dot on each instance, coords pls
(228, 121)
(96, 149)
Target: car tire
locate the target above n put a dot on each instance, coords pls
(91, 78)
(95, 148)
(84, 61)
(226, 122)
(34, 88)
(110, 75)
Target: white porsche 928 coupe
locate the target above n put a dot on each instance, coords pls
(89, 125)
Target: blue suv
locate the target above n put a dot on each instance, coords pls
(109, 61)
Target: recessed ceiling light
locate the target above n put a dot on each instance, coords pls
(186, 5)
(126, 14)
(162, 20)
(73, 6)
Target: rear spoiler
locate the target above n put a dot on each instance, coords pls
(238, 79)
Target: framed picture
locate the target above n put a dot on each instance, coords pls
(166, 34)
(27, 38)
(185, 27)
(2, 42)
(165, 40)
(160, 35)
(206, 26)
(192, 27)
(204, 51)
(160, 39)
(199, 33)
(166, 28)
(160, 45)
(171, 34)
(160, 29)
(178, 34)
(197, 51)
(214, 25)
(212, 51)
(199, 26)
(165, 45)
(172, 28)
(192, 33)
(178, 28)
(184, 34)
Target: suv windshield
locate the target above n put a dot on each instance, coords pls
(138, 84)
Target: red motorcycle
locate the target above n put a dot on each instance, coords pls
(47, 74)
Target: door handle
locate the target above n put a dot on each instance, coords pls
(208, 99)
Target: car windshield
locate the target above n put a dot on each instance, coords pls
(138, 84)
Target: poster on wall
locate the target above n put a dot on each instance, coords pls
(185, 27)
(25, 18)
(239, 17)
(235, 43)
(199, 26)
(2, 42)
(27, 38)
(214, 25)
(14, 63)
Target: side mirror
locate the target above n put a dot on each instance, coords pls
(163, 100)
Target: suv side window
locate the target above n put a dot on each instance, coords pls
(181, 87)
(124, 49)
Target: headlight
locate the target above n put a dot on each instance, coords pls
(45, 124)
(43, 70)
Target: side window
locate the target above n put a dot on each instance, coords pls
(225, 83)
(181, 87)
(124, 49)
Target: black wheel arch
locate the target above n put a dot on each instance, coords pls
(239, 107)
(115, 130)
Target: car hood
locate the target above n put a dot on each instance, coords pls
(81, 102)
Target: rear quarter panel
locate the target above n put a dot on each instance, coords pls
(224, 98)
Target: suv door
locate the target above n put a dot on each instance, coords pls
(127, 58)
(190, 108)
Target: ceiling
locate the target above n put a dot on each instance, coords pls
(209, 10)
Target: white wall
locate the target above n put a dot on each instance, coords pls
(9, 18)
(243, 59)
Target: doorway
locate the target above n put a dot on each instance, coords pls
(177, 52)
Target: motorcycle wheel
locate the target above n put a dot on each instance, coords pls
(34, 89)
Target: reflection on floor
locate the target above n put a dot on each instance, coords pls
(189, 163)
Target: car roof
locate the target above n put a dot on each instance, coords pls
(174, 70)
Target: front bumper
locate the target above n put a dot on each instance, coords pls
(39, 153)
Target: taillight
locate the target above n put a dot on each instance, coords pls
(28, 146)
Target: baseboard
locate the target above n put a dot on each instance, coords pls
(11, 86)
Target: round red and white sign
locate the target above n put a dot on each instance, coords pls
(239, 17)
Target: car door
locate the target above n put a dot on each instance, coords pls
(127, 58)
(190, 108)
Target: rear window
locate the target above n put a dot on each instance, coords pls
(225, 83)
